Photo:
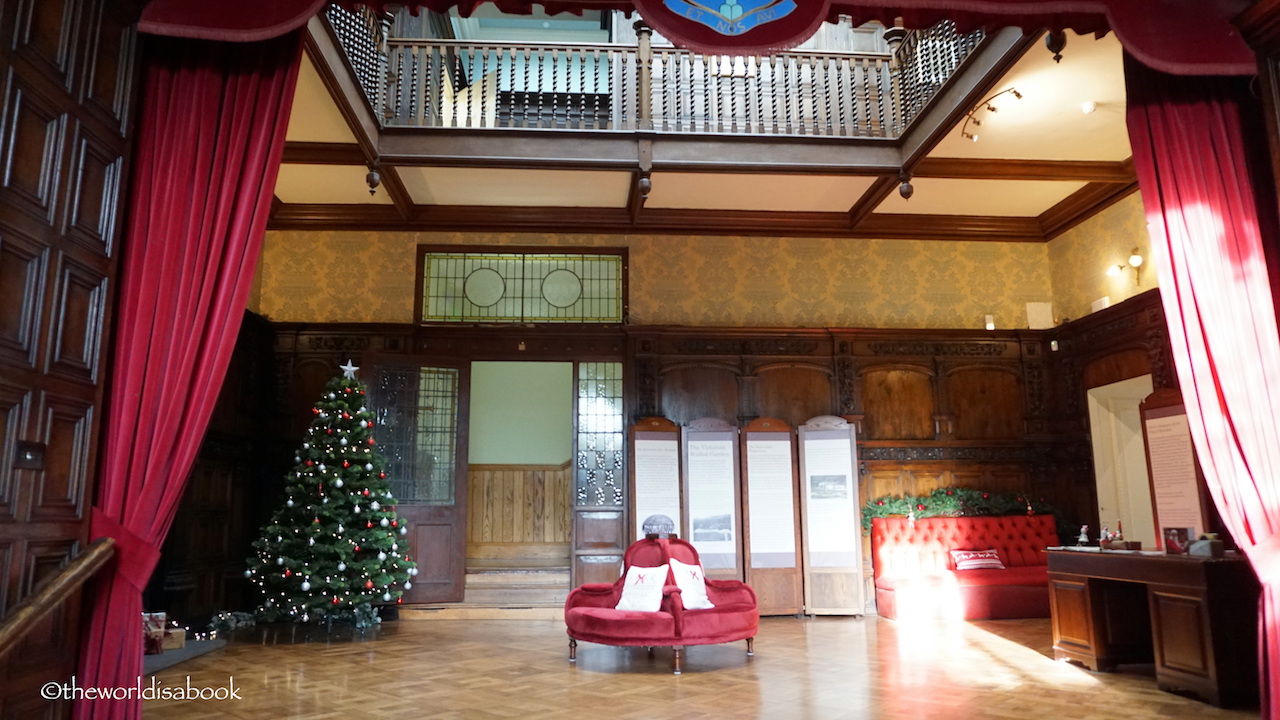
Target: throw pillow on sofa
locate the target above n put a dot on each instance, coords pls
(642, 590)
(692, 584)
(977, 559)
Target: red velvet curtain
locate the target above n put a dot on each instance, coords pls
(210, 138)
(1200, 152)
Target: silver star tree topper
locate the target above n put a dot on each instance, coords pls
(349, 370)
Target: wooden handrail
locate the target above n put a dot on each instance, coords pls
(28, 613)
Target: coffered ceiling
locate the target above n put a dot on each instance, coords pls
(1040, 165)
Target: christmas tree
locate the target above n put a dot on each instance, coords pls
(333, 550)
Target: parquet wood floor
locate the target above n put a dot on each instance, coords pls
(820, 668)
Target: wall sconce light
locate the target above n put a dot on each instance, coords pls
(969, 119)
(1133, 263)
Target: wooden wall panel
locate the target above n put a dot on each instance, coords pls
(986, 404)
(1113, 368)
(67, 85)
(697, 391)
(792, 393)
(519, 503)
(897, 404)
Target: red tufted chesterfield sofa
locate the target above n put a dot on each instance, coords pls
(915, 577)
(590, 613)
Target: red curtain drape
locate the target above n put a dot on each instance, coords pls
(210, 138)
(1200, 152)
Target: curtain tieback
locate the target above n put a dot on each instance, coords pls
(135, 558)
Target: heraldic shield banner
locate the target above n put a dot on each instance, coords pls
(734, 26)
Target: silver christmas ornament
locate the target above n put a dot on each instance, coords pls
(386, 597)
(305, 586)
(407, 585)
(404, 530)
(342, 566)
(332, 396)
(382, 556)
(279, 561)
(321, 466)
(337, 483)
(288, 503)
(342, 441)
(384, 522)
(374, 505)
(368, 466)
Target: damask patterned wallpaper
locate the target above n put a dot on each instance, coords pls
(687, 280)
(1079, 258)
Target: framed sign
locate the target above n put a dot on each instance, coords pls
(655, 468)
(772, 511)
(1177, 485)
(712, 521)
(831, 512)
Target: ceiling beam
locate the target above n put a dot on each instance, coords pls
(976, 76)
(996, 169)
(323, 153)
(658, 221)
(339, 79)
(1082, 205)
(871, 199)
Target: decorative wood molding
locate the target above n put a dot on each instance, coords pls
(880, 189)
(322, 153)
(320, 44)
(992, 169)
(893, 226)
(1083, 204)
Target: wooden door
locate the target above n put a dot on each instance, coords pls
(421, 408)
(67, 85)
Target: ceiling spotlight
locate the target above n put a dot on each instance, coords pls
(987, 105)
(1088, 106)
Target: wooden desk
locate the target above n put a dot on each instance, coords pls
(1195, 618)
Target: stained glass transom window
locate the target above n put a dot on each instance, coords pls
(522, 287)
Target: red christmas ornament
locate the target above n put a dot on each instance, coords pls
(368, 584)
(366, 492)
(880, 503)
(948, 492)
(315, 411)
(382, 476)
(345, 416)
(346, 390)
(335, 601)
(308, 463)
(288, 572)
(985, 496)
(370, 441)
(346, 464)
(369, 524)
(399, 601)
(361, 392)
(371, 423)
(357, 548)
(395, 523)
(317, 521)
(919, 506)
(328, 431)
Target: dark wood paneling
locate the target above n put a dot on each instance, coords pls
(697, 391)
(22, 270)
(897, 404)
(986, 403)
(1122, 365)
(67, 433)
(793, 393)
(76, 329)
(68, 85)
(31, 147)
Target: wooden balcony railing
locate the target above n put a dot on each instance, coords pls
(438, 83)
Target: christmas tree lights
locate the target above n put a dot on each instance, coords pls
(334, 550)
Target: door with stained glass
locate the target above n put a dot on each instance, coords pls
(421, 408)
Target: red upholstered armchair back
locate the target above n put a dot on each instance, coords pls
(658, 551)
(901, 547)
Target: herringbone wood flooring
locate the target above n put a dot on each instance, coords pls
(827, 667)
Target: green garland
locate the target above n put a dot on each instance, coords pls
(953, 502)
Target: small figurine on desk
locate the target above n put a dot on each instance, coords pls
(1106, 536)
(1119, 536)
(1084, 536)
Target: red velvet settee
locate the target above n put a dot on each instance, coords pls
(590, 614)
(916, 577)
